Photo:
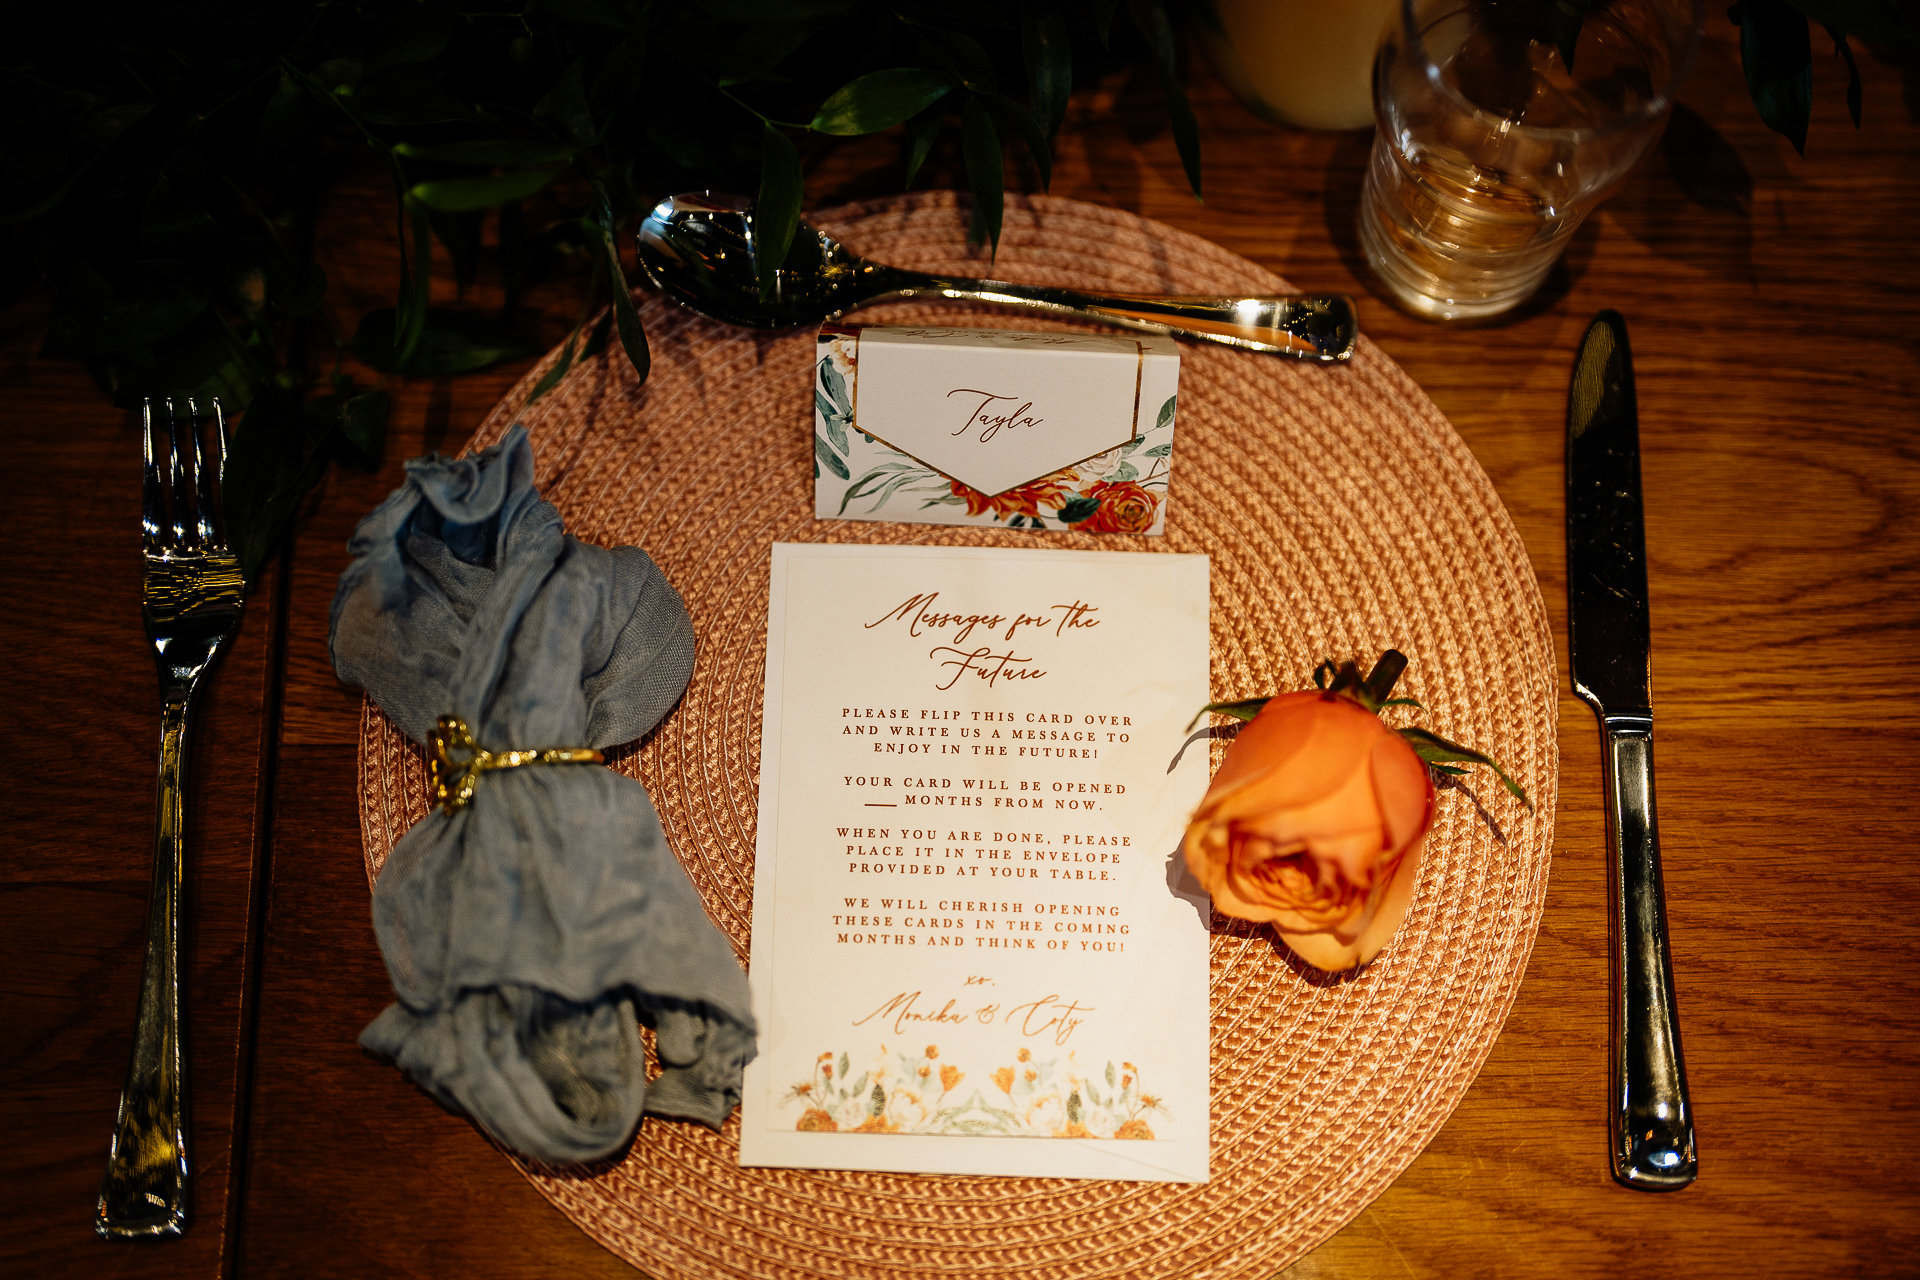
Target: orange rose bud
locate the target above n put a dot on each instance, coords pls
(1314, 822)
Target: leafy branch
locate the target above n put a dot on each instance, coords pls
(163, 190)
(1776, 49)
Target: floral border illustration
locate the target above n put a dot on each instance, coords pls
(918, 1094)
(1107, 493)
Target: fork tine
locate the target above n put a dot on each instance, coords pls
(215, 506)
(150, 501)
(176, 476)
(202, 482)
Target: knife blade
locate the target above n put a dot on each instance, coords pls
(1650, 1120)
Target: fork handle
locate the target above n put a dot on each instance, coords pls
(145, 1191)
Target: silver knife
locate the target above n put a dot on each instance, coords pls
(1651, 1124)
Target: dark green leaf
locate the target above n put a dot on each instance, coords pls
(1776, 53)
(962, 53)
(98, 128)
(1436, 750)
(449, 342)
(551, 378)
(460, 195)
(173, 222)
(403, 98)
(410, 313)
(1029, 130)
(836, 388)
(285, 122)
(1244, 709)
(762, 47)
(605, 15)
(980, 144)
(1165, 415)
(511, 152)
(146, 302)
(923, 128)
(1564, 20)
(1103, 18)
(306, 295)
(776, 210)
(622, 77)
(1841, 47)
(742, 11)
(416, 33)
(1049, 54)
(626, 320)
(881, 99)
(265, 476)
(1077, 509)
(363, 426)
(565, 109)
(598, 335)
(1888, 22)
(1150, 18)
(829, 459)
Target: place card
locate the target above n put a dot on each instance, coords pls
(994, 427)
(976, 948)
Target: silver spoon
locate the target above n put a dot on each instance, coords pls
(698, 249)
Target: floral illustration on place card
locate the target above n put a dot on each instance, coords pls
(1022, 1098)
(1122, 489)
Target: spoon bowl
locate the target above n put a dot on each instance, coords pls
(700, 250)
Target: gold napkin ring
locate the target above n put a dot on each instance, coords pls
(453, 779)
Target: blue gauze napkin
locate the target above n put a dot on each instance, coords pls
(531, 931)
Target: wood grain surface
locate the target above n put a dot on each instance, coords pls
(1774, 303)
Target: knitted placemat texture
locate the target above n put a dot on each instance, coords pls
(1343, 516)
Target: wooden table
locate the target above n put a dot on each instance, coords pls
(1775, 308)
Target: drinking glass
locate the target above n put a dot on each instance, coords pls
(1491, 148)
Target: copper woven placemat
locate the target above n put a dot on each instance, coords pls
(1343, 515)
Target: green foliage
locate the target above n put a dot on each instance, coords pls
(1776, 49)
(1776, 52)
(163, 181)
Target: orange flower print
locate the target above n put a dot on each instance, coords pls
(1024, 1055)
(1003, 1078)
(1125, 507)
(814, 1120)
(1134, 1129)
(933, 1051)
(949, 1077)
(1023, 501)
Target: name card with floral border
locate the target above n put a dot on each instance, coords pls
(996, 427)
(976, 949)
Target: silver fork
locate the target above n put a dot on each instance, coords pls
(191, 589)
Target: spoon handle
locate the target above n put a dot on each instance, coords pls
(1322, 327)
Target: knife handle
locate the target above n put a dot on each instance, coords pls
(1651, 1125)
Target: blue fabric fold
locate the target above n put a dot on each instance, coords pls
(530, 933)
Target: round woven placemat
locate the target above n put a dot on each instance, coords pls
(1343, 516)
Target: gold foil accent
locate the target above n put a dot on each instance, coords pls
(453, 780)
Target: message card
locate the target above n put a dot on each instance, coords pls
(975, 946)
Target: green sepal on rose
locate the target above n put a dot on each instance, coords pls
(1375, 693)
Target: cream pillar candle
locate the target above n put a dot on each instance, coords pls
(1300, 62)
